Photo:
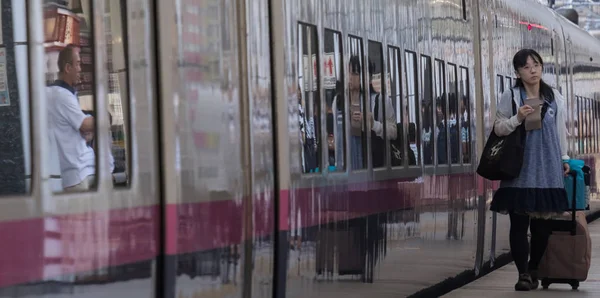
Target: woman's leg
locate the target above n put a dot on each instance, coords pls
(519, 245)
(540, 232)
(519, 249)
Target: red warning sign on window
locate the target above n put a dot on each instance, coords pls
(329, 76)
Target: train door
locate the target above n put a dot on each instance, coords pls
(79, 159)
(214, 74)
(573, 119)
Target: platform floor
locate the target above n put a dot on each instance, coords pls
(500, 283)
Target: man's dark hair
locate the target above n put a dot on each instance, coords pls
(65, 57)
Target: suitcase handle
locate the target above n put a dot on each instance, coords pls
(573, 174)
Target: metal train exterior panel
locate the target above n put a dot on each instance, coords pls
(250, 163)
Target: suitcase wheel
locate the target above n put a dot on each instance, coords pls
(545, 284)
(574, 285)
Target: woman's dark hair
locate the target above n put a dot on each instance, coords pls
(520, 60)
(355, 68)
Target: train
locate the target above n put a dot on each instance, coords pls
(247, 162)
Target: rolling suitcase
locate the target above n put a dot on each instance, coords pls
(568, 254)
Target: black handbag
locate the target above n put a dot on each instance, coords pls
(396, 151)
(502, 157)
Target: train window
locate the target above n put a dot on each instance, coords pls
(578, 123)
(499, 87)
(412, 99)
(595, 134)
(428, 133)
(118, 89)
(588, 126)
(441, 120)
(69, 47)
(465, 119)
(381, 114)
(594, 128)
(356, 100)
(581, 125)
(397, 146)
(453, 128)
(309, 101)
(334, 96)
(15, 141)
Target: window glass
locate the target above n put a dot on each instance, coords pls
(596, 128)
(453, 125)
(595, 132)
(397, 146)
(334, 96)
(15, 142)
(577, 125)
(588, 126)
(309, 101)
(412, 100)
(118, 89)
(69, 46)
(465, 117)
(427, 109)
(584, 125)
(441, 120)
(381, 114)
(356, 94)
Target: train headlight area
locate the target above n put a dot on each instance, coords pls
(262, 148)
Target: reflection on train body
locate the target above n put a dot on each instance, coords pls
(264, 148)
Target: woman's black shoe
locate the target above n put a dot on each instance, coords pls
(524, 283)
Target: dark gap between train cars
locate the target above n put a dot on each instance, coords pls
(279, 237)
(468, 276)
(165, 266)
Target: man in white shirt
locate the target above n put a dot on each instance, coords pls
(69, 126)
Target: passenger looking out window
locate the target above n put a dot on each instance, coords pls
(69, 128)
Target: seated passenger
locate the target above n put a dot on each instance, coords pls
(538, 192)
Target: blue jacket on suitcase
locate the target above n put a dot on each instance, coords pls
(577, 166)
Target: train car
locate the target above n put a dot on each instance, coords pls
(245, 160)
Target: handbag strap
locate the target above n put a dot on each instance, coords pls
(512, 100)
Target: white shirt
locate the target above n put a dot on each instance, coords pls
(76, 159)
(390, 117)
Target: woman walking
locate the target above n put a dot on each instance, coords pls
(538, 192)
